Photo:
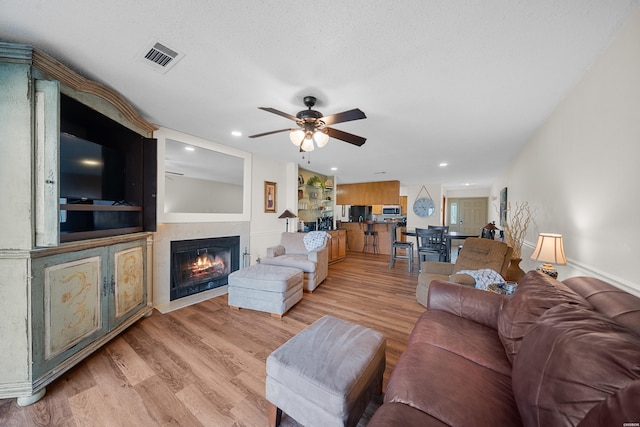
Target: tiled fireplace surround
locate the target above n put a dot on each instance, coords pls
(169, 232)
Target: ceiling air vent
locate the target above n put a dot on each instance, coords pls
(159, 56)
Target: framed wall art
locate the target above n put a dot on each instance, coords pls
(503, 206)
(270, 189)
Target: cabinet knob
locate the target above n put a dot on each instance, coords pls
(49, 181)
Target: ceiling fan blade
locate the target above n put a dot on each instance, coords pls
(269, 133)
(345, 116)
(280, 113)
(346, 136)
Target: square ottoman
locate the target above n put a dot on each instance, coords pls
(269, 288)
(326, 375)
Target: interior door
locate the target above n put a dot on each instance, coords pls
(467, 215)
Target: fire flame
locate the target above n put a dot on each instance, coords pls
(206, 263)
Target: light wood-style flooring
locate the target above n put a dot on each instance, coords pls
(204, 365)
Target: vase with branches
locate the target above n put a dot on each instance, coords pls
(515, 228)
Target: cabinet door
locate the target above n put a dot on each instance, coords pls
(47, 186)
(128, 279)
(333, 247)
(68, 312)
(342, 243)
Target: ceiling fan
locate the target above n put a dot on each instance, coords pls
(314, 127)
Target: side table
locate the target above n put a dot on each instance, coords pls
(506, 288)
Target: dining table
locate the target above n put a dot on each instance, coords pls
(448, 237)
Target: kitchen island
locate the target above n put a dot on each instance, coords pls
(355, 235)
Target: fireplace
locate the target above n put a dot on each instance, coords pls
(202, 264)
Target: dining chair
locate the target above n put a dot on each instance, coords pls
(430, 244)
(446, 242)
(395, 245)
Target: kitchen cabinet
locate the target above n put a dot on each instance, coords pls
(64, 293)
(369, 193)
(403, 205)
(337, 245)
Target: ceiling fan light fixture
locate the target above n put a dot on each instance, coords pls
(296, 137)
(313, 126)
(321, 138)
(307, 145)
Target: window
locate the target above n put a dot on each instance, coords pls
(453, 212)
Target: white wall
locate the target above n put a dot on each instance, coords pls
(267, 227)
(412, 192)
(580, 171)
(468, 192)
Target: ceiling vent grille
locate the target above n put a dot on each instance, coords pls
(160, 57)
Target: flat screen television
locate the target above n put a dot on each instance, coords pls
(90, 171)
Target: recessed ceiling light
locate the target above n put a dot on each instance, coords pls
(443, 164)
(189, 148)
(334, 169)
(236, 133)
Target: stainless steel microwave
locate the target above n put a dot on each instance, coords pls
(391, 210)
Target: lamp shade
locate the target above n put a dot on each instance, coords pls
(549, 249)
(296, 137)
(307, 144)
(321, 138)
(287, 214)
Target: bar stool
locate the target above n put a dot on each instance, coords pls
(406, 246)
(370, 237)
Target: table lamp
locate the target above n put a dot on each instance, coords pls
(491, 227)
(549, 250)
(287, 214)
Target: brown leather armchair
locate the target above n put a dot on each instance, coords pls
(475, 254)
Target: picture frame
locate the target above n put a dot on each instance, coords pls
(503, 206)
(270, 196)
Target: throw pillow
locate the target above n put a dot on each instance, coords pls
(535, 294)
(572, 360)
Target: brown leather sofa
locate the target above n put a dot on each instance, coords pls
(552, 354)
(475, 254)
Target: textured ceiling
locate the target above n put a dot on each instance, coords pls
(463, 82)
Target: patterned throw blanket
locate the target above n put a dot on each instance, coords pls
(315, 239)
(483, 277)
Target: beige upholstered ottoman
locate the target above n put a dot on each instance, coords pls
(326, 375)
(269, 288)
